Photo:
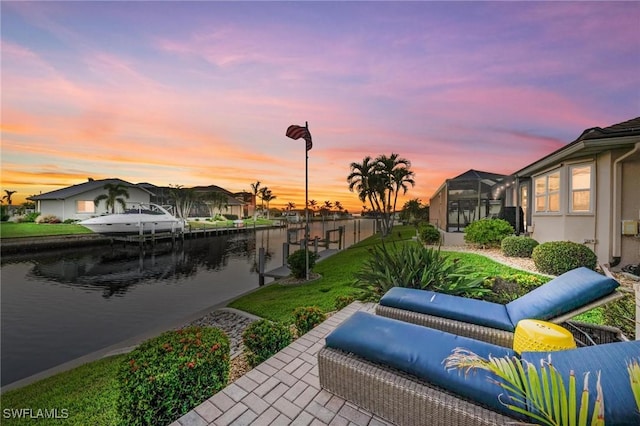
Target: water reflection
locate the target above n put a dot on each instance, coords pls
(118, 268)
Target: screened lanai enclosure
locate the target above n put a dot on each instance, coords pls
(466, 198)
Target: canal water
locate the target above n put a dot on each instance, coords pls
(63, 304)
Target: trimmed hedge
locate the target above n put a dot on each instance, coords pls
(558, 257)
(487, 232)
(169, 375)
(306, 318)
(514, 246)
(263, 339)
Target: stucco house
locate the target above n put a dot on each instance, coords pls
(76, 202)
(586, 192)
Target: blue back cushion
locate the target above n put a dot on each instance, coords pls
(420, 351)
(611, 360)
(458, 308)
(562, 294)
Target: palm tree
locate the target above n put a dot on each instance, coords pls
(267, 196)
(411, 211)
(312, 205)
(114, 195)
(338, 205)
(290, 206)
(402, 177)
(255, 188)
(8, 196)
(359, 179)
(328, 205)
(263, 192)
(379, 181)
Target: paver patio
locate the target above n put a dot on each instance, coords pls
(284, 390)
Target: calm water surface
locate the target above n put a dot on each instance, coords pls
(63, 304)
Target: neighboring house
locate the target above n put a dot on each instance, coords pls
(466, 198)
(234, 205)
(76, 202)
(587, 192)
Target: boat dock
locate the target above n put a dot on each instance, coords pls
(193, 231)
(284, 271)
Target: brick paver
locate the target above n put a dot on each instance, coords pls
(284, 390)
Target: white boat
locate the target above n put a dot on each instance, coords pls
(141, 218)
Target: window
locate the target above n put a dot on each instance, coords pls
(85, 207)
(580, 190)
(547, 192)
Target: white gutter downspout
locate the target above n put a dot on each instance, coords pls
(617, 200)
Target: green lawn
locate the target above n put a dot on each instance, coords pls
(22, 230)
(87, 393)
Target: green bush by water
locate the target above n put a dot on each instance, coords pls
(297, 262)
(169, 375)
(263, 339)
(307, 317)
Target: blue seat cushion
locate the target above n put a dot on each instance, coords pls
(458, 308)
(611, 360)
(420, 351)
(562, 294)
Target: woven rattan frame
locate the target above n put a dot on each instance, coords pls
(398, 397)
(487, 334)
(585, 334)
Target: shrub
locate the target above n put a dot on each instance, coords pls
(518, 246)
(306, 318)
(167, 376)
(429, 235)
(230, 216)
(344, 301)
(264, 338)
(31, 217)
(558, 257)
(47, 218)
(487, 232)
(414, 266)
(297, 262)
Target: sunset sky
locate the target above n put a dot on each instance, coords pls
(201, 93)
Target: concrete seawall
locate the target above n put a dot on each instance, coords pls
(27, 244)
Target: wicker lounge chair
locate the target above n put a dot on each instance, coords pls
(394, 370)
(557, 301)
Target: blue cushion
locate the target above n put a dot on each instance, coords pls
(420, 351)
(473, 311)
(562, 294)
(610, 359)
